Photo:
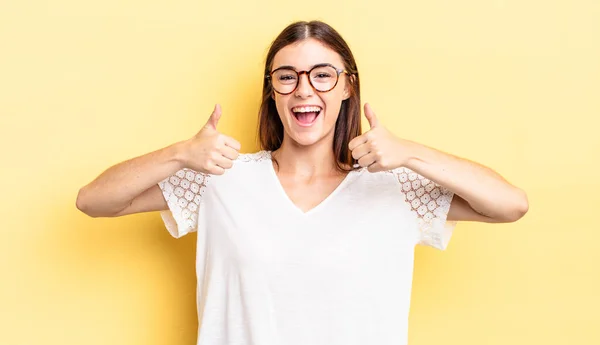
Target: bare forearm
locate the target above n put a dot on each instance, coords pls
(487, 192)
(480, 190)
(115, 189)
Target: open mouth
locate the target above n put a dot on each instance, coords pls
(306, 115)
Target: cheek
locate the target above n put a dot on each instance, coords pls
(280, 104)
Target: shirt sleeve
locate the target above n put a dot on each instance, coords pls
(183, 192)
(429, 203)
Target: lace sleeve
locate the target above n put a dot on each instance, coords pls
(429, 203)
(183, 193)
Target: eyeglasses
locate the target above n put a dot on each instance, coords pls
(322, 77)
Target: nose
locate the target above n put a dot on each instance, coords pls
(304, 88)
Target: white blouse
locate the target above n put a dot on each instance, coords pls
(270, 274)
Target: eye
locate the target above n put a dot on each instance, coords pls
(285, 77)
(323, 75)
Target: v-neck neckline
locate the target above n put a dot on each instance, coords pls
(347, 179)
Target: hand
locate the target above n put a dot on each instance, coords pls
(378, 149)
(209, 151)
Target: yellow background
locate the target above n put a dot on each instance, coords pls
(512, 84)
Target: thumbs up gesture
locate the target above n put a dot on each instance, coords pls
(378, 149)
(209, 151)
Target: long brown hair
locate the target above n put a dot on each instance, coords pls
(347, 127)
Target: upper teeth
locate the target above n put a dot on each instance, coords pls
(306, 109)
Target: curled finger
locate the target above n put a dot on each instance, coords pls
(367, 160)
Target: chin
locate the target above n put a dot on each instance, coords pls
(309, 138)
(306, 139)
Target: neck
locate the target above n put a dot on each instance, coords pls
(314, 160)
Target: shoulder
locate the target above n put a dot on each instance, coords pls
(384, 177)
(246, 167)
(410, 179)
(373, 183)
(249, 165)
(254, 157)
(401, 178)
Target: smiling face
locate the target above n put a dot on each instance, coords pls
(309, 116)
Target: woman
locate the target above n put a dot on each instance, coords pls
(311, 240)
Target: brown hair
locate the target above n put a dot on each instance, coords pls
(347, 127)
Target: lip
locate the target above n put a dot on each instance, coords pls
(305, 105)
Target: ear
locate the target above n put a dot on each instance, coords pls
(348, 88)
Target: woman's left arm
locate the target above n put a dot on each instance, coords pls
(486, 196)
(481, 194)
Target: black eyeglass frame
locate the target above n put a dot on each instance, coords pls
(299, 73)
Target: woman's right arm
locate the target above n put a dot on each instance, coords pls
(132, 186)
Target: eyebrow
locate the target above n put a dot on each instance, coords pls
(311, 67)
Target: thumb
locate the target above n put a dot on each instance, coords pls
(370, 115)
(213, 120)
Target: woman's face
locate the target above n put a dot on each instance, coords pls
(297, 110)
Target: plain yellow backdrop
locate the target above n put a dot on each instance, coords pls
(514, 85)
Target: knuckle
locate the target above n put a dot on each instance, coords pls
(214, 155)
(216, 170)
(211, 143)
(207, 167)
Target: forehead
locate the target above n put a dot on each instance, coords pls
(306, 53)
